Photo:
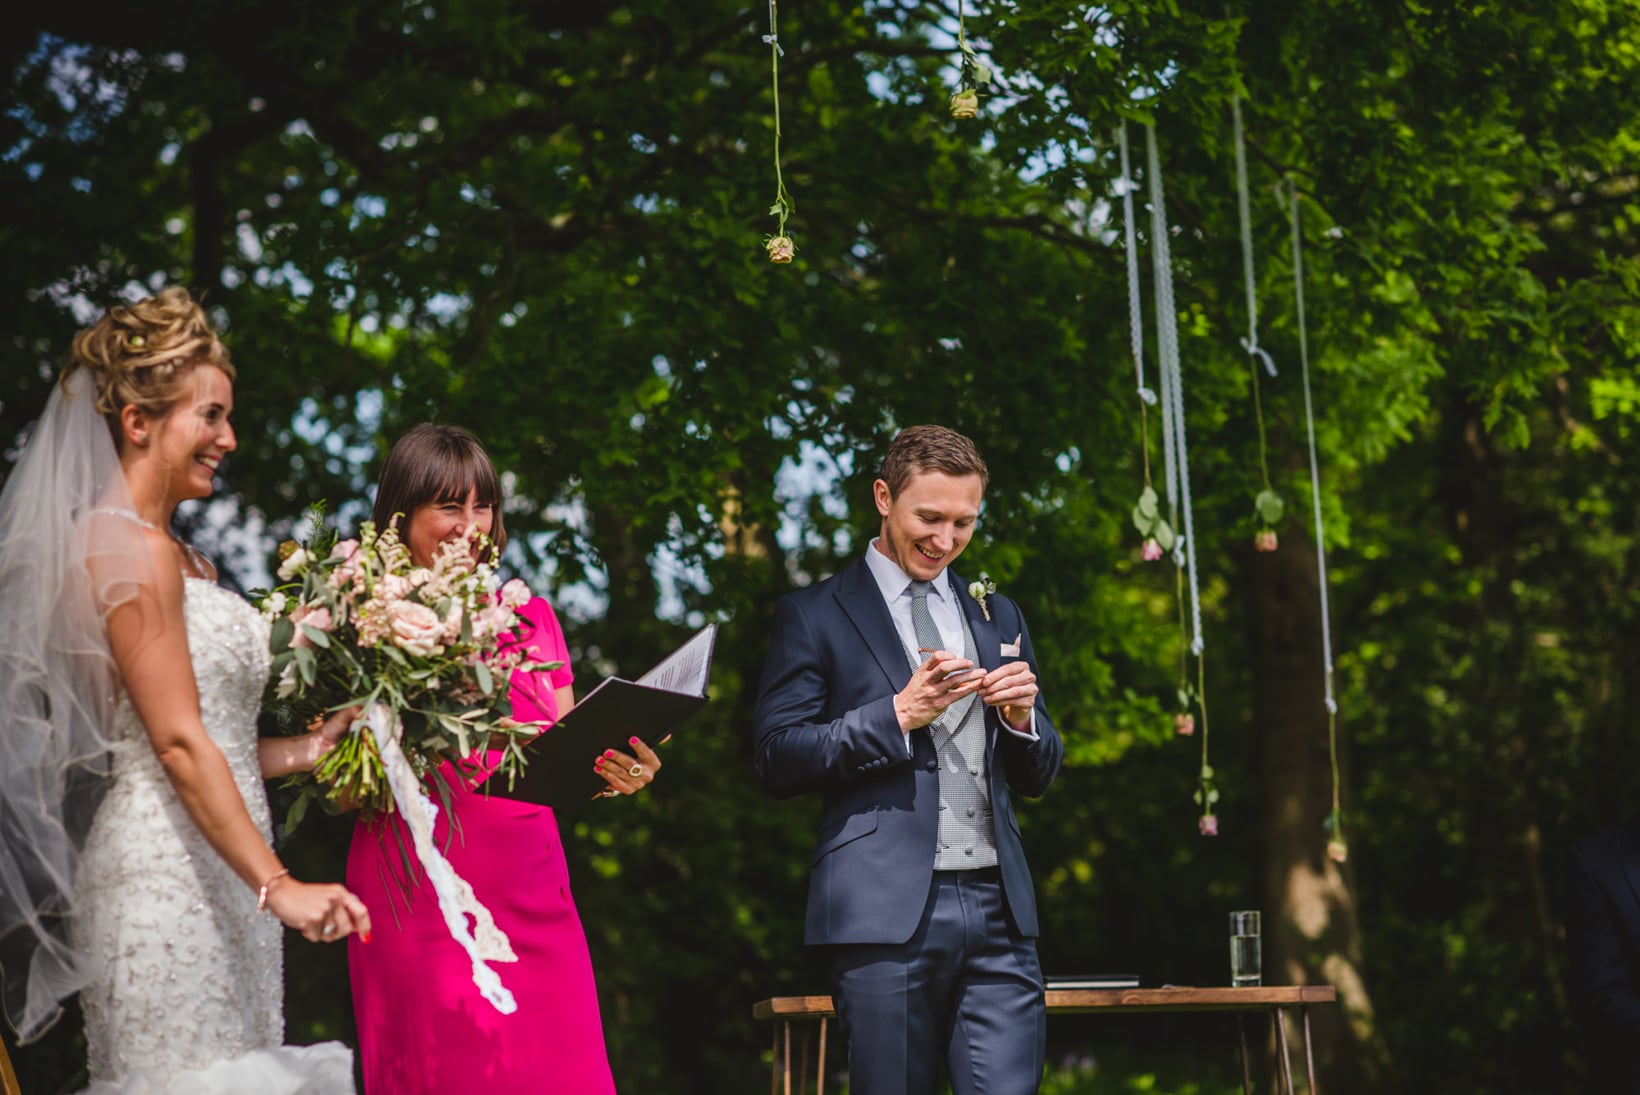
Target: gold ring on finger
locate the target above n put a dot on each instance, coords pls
(636, 771)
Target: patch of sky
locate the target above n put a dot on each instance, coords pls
(816, 472)
(447, 307)
(250, 245)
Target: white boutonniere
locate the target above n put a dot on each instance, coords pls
(978, 590)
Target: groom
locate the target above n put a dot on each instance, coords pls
(911, 706)
(1603, 947)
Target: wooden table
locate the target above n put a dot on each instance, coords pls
(785, 1010)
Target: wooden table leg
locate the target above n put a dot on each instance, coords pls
(774, 1061)
(1246, 1074)
(787, 1027)
(1309, 1053)
(8, 1078)
(820, 1069)
(1284, 1070)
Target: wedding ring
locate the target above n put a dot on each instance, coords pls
(328, 930)
(636, 771)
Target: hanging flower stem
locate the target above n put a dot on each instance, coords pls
(973, 73)
(780, 246)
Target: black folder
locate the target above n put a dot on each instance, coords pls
(559, 771)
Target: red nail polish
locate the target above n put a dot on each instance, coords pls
(597, 765)
(364, 937)
(609, 752)
(632, 741)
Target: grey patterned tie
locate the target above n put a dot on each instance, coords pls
(922, 620)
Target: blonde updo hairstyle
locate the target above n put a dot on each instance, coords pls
(143, 355)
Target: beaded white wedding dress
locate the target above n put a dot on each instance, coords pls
(185, 994)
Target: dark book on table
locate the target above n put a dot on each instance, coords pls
(1093, 981)
(559, 772)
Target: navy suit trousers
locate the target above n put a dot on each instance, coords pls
(965, 988)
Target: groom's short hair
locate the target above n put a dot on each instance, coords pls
(930, 448)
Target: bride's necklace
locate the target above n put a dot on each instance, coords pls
(193, 554)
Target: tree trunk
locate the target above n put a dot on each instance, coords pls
(1311, 935)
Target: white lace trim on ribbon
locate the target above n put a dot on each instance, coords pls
(484, 942)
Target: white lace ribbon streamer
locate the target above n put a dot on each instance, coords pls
(484, 942)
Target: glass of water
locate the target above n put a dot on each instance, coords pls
(1246, 953)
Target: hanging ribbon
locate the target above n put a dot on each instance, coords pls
(1335, 822)
(1175, 445)
(1243, 207)
(1136, 330)
(484, 942)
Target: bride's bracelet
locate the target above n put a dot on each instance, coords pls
(262, 894)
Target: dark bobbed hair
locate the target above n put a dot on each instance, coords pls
(930, 448)
(432, 464)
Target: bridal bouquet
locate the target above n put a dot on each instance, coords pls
(357, 624)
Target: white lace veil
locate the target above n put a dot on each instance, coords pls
(65, 514)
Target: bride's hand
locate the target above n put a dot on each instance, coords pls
(322, 911)
(324, 737)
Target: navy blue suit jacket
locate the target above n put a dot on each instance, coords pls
(825, 723)
(1603, 945)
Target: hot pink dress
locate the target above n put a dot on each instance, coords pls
(423, 1027)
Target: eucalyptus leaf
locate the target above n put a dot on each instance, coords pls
(280, 635)
(306, 664)
(1163, 532)
(1269, 507)
(316, 637)
(1148, 504)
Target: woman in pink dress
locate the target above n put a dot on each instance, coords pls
(423, 1027)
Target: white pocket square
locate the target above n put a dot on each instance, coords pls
(1011, 650)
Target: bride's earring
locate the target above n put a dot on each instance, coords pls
(142, 439)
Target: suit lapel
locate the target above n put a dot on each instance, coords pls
(987, 646)
(860, 599)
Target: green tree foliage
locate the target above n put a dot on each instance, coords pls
(544, 221)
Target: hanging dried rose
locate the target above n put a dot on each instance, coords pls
(781, 248)
(1337, 851)
(1265, 540)
(1208, 824)
(1184, 724)
(965, 104)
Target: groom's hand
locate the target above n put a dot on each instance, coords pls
(1012, 688)
(935, 685)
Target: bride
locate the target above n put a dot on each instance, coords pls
(135, 864)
